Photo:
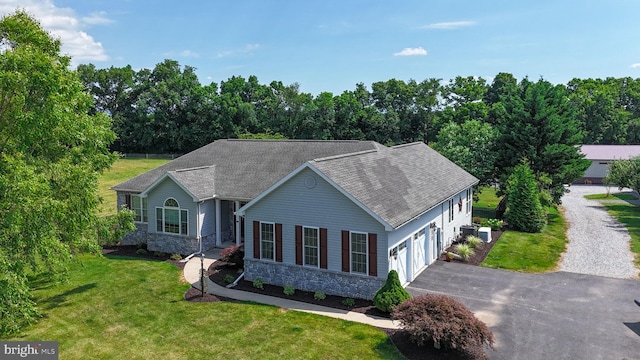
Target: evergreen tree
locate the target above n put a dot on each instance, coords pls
(525, 213)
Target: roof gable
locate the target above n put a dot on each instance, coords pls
(394, 185)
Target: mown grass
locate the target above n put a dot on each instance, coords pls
(120, 308)
(485, 207)
(629, 216)
(121, 170)
(527, 252)
(615, 196)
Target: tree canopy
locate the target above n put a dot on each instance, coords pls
(51, 152)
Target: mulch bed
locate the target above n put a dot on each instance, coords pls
(131, 251)
(219, 271)
(480, 253)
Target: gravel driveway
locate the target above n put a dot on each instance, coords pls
(598, 244)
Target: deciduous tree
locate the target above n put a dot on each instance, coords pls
(51, 153)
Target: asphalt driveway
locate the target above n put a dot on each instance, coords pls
(557, 315)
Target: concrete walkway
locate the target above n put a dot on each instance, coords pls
(598, 243)
(192, 275)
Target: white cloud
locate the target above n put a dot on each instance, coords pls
(189, 53)
(63, 23)
(635, 66)
(449, 25)
(246, 50)
(419, 51)
(97, 18)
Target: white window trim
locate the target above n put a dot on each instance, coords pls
(180, 210)
(451, 209)
(273, 224)
(366, 253)
(304, 247)
(141, 207)
(469, 200)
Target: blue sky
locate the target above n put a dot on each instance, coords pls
(332, 45)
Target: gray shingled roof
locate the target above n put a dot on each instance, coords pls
(397, 183)
(200, 182)
(610, 152)
(243, 168)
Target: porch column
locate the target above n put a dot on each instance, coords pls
(218, 223)
(237, 219)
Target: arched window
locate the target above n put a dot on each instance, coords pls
(171, 219)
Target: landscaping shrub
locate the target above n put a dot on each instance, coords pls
(477, 220)
(258, 284)
(465, 251)
(159, 254)
(229, 279)
(474, 241)
(141, 251)
(445, 322)
(390, 294)
(176, 257)
(289, 290)
(494, 224)
(319, 295)
(349, 302)
(233, 254)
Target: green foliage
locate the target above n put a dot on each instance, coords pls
(537, 121)
(258, 284)
(51, 153)
(319, 295)
(470, 146)
(441, 319)
(524, 212)
(229, 279)
(390, 294)
(111, 229)
(289, 290)
(159, 254)
(476, 220)
(175, 257)
(141, 252)
(474, 241)
(494, 224)
(624, 173)
(349, 302)
(465, 251)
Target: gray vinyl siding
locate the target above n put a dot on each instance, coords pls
(169, 189)
(404, 232)
(322, 206)
(208, 210)
(452, 229)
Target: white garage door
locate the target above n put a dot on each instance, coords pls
(398, 260)
(419, 251)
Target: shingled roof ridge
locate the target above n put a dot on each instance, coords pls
(296, 140)
(357, 153)
(408, 144)
(191, 169)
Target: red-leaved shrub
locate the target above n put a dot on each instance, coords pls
(233, 254)
(445, 321)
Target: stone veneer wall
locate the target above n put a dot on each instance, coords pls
(178, 244)
(137, 237)
(304, 278)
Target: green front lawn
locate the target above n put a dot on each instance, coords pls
(527, 252)
(629, 216)
(616, 196)
(120, 308)
(120, 171)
